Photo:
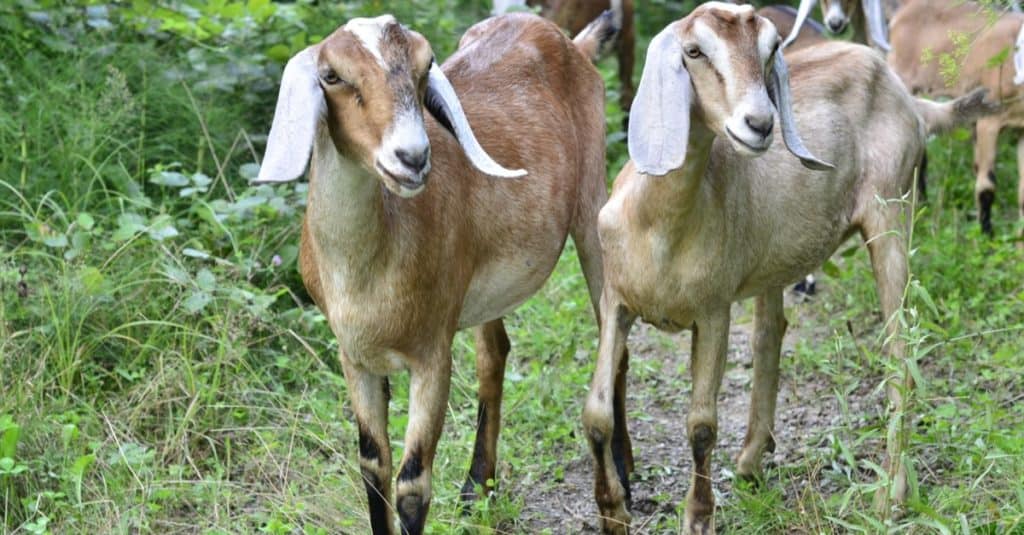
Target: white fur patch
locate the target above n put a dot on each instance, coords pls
(716, 50)
(725, 6)
(369, 32)
(835, 13)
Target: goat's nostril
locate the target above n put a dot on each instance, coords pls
(762, 125)
(414, 160)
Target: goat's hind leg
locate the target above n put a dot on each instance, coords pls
(369, 396)
(769, 328)
(886, 243)
(985, 145)
(492, 348)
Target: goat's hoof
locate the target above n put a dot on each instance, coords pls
(469, 495)
(699, 525)
(615, 522)
(752, 479)
(807, 287)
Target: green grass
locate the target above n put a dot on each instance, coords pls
(161, 368)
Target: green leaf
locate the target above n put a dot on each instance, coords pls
(162, 228)
(77, 473)
(830, 269)
(86, 221)
(999, 58)
(169, 178)
(197, 302)
(206, 280)
(9, 440)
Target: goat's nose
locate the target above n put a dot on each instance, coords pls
(415, 161)
(836, 25)
(762, 124)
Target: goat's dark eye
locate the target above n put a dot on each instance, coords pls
(330, 78)
(692, 51)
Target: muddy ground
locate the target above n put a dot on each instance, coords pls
(806, 412)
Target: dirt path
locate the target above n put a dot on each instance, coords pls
(658, 404)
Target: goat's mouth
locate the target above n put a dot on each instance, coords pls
(402, 185)
(739, 143)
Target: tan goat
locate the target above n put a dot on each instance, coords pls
(397, 265)
(574, 15)
(710, 211)
(923, 32)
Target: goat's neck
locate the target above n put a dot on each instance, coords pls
(345, 212)
(678, 198)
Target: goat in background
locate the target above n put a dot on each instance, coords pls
(923, 32)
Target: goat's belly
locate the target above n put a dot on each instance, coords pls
(500, 287)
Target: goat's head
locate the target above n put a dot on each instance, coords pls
(723, 63)
(366, 86)
(837, 14)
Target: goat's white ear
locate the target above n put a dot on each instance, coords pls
(659, 120)
(300, 107)
(1018, 57)
(778, 90)
(1015, 6)
(442, 102)
(878, 29)
(801, 16)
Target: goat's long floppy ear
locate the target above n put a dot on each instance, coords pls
(801, 15)
(659, 120)
(778, 90)
(1018, 58)
(442, 102)
(300, 107)
(878, 29)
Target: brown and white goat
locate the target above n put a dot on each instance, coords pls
(925, 31)
(866, 17)
(710, 210)
(397, 265)
(574, 15)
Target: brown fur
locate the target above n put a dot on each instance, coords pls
(680, 248)
(396, 277)
(574, 15)
(925, 25)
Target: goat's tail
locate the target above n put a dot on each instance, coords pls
(598, 37)
(942, 116)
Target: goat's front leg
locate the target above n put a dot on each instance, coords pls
(492, 347)
(611, 480)
(769, 327)
(369, 395)
(430, 379)
(710, 345)
(986, 138)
